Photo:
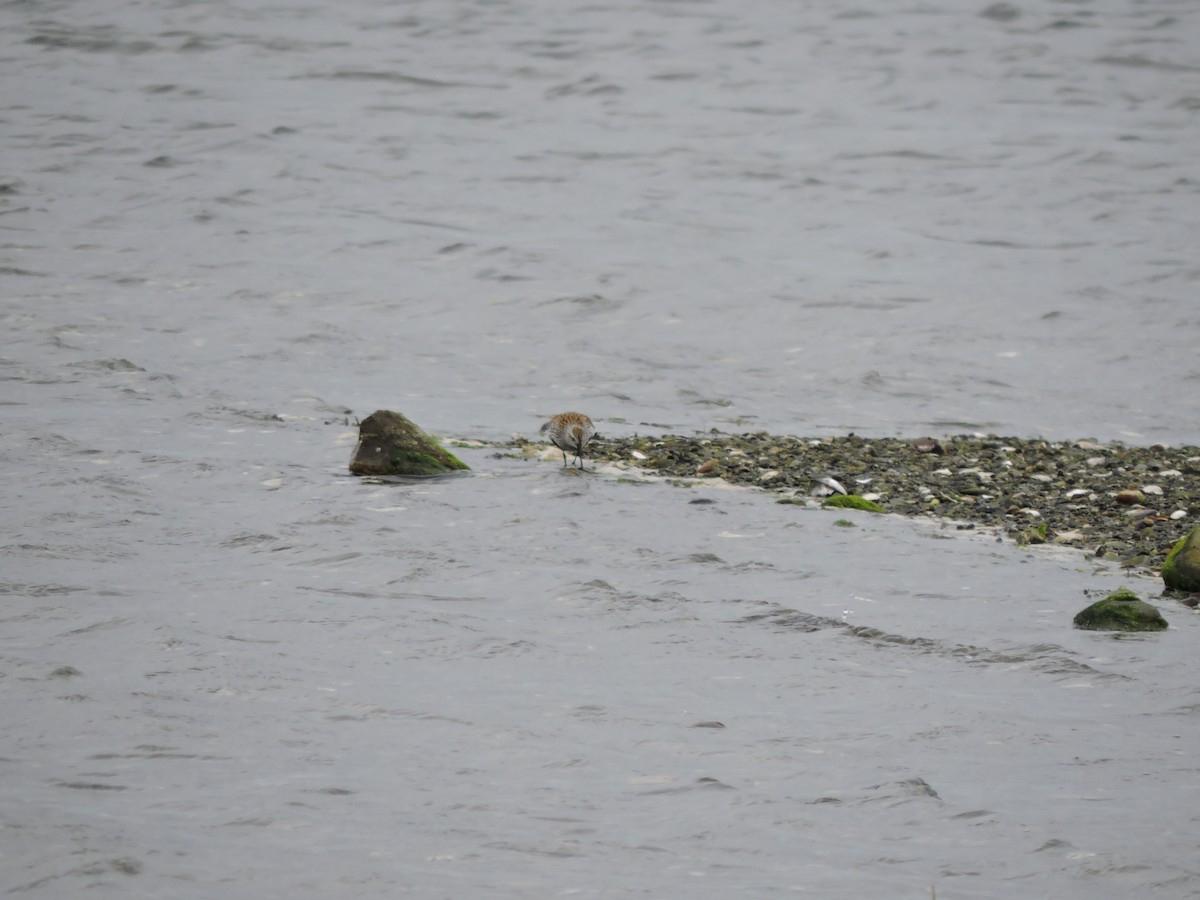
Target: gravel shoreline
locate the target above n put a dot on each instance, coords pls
(1116, 502)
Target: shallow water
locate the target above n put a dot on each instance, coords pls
(500, 684)
(229, 667)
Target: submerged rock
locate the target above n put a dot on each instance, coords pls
(1181, 570)
(1122, 610)
(390, 444)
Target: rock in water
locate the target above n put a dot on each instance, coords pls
(389, 444)
(1121, 610)
(1181, 570)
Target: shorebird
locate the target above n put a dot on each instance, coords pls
(570, 431)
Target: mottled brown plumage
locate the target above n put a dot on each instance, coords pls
(571, 431)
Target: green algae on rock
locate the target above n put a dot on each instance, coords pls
(1035, 535)
(1181, 570)
(390, 444)
(1122, 610)
(852, 501)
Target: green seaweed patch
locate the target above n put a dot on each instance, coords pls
(1124, 594)
(852, 501)
(845, 523)
(1035, 535)
(415, 462)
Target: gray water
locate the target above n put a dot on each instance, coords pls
(230, 669)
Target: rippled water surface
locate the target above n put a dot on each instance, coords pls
(226, 229)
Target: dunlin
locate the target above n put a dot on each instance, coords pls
(570, 431)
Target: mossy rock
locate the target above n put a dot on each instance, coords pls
(1035, 535)
(1122, 610)
(1181, 570)
(852, 501)
(390, 444)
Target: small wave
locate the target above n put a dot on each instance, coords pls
(1136, 61)
(391, 77)
(1049, 659)
(96, 42)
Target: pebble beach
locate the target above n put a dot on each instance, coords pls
(1121, 503)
